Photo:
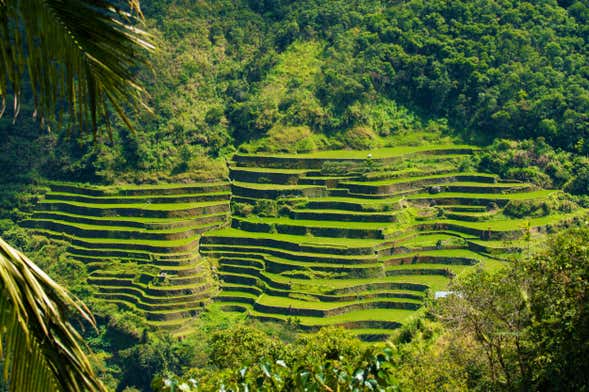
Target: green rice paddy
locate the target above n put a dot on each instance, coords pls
(422, 247)
(359, 246)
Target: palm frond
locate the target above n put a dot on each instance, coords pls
(79, 58)
(39, 348)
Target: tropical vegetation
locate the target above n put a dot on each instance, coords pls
(286, 177)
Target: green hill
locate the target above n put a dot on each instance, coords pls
(339, 237)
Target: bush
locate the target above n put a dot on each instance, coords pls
(579, 183)
(284, 139)
(536, 162)
(360, 138)
(530, 174)
(241, 209)
(268, 208)
(560, 203)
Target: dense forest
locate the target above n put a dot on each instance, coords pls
(285, 76)
(309, 75)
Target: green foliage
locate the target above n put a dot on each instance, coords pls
(286, 139)
(241, 209)
(81, 65)
(242, 346)
(537, 162)
(360, 138)
(558, 203)
(307, 75)
(559, 278)
(529, 320)
(328, 360)
(267, 208)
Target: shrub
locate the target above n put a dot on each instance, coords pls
(530, 174)
(284, 139)
(241, 209)
(579, 183)
(559, 203)
(536, 162)
(268, 208)
(360, 138)
(522, 208)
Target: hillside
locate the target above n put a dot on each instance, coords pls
(358, 239)
(326, 195)
(313, 75)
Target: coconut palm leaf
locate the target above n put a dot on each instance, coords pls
(39, 348)
(79, 59)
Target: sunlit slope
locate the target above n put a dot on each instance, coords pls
(360, 238)
(140, 243)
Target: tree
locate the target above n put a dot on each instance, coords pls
(529, 320)
(74, 57)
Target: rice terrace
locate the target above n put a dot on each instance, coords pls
(355, 239)
(294, 196)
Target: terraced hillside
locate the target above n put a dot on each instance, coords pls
(140, 243)
(359, 238)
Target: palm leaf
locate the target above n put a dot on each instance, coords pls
(40, 349)
(80, 58)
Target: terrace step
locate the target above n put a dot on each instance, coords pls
(291, 307)
(342, 216)
(464, 208)
(119, 232)
(149, 199)
(171, 210)
(140, 223)
(323, 245)
(140, 243)
(273, 191)
(264, 175)
(316, 228)
(318, 160)
(326, 181)
(227, 251)
(155, 246)
(472, 216)
(399, 185)
(143, 190)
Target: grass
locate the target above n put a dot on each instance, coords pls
(533, 195)
(342, 212)
(387, 315)
(514, 224)
(127, 229)
(270, 170)
(403, 180)
(334, 284)
(234, 250)
(351, 225)
(268, 300)
(303, 272)
(138, 219)
(131, 199)
(139, 206)
(278, 187)
(137, 187)
(378, 153)
(154, 243)
(342, 243)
